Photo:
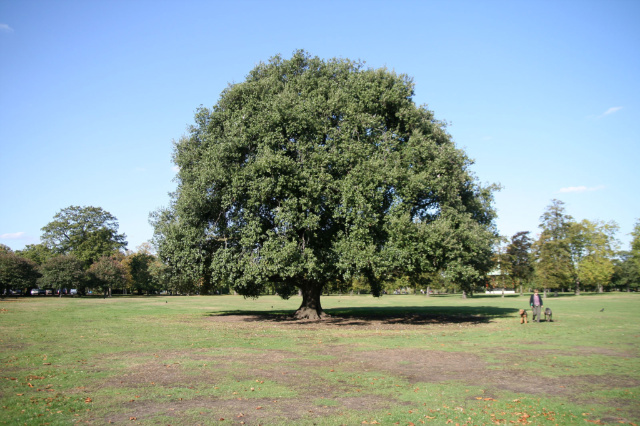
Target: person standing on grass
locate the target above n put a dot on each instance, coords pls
(535, 301)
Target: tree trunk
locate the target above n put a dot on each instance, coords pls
(464, 294)
(310, 308)
(428, 290)
(577, 288)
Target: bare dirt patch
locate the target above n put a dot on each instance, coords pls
(248, 411)
(304, 373)
(590, 350)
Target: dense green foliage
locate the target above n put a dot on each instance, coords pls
(315, 171)
(140, 268)
(554, 268)
(81, 250)
(518, 262)
(39, 253)
(626, 271)
(86, 232)
(626, 274)
(595, 242)
(106, 273)
(569, 254)
(63, 272)
(635, 247)
(16, 272)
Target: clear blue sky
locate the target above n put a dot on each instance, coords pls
(543, 95)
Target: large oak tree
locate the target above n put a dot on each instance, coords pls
(314, 171)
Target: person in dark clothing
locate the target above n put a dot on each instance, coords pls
(535, 301)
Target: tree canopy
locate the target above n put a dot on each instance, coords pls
(108, 272)
(555, 268)
(39, 253)
(63, 271)
(519, 262)
(86, 232)
(16, 272)
(575, 253)
(314, 171)
(598, 247)
(635, 246)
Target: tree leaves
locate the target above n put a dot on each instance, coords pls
(16, 272)
(87, 232)
(314, 171)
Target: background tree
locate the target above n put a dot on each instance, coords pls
(108, 272)
(39, 253)
(635, 246)
(313, 171)
(63, 272)
(16, 272)
(158, 271)
(139, 267)
(626, 274)
(598, 246)
(499, 276)
(86, 232)
(182, 252)
(627, 265)
(554, 264)
(518, 261)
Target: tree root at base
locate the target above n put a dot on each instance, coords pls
(310, 314)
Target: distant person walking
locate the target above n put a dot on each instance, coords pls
(535, 301)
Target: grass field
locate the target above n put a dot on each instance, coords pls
(216, 360)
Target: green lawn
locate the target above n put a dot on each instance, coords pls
(215, 360)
